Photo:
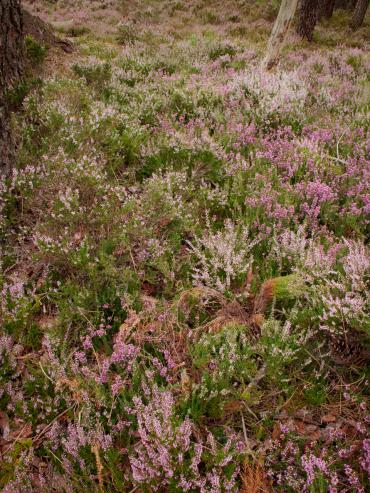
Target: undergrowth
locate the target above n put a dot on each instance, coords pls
(184, 264)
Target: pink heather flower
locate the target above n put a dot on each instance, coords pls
(365, 458)
(118, 385)
(284, 429)
(80, 356)
(124, 353)
(87, 343)
(363, 406)
(104, 371)
(198, 449)
(317, 191)
(353, 479)
(310, 463)
(161, 454)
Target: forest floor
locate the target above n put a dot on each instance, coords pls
(184, 259)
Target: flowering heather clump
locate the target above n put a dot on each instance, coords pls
(223, 256)
(345, 299)
(272, 94)
(184, 257)
(311, 466)
(166, 454)
(306, 256)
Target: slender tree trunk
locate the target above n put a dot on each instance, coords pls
(307, 18)
(11, 71)
(359, 13)
(327, 8)
(279, 31)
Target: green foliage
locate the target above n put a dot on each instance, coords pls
(95, 75)
(127, 33)
(316, 393)
(281, 350)
(220, 50)
(16, 94)
(226, 363)
(35, 51)
(77, 31)
(211, 18)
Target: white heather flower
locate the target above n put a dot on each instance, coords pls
(271, 92)
(222, 256)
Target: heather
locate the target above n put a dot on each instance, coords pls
(184, 257)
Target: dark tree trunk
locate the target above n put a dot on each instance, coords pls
(327, 8)
(307, 18)
(359, 13)
(345, 4)
(11, 71)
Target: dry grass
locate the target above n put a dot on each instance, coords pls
(254, 479)
(99, 467)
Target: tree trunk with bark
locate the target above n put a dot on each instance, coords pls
(307, 18)
(345, 4)
(279, 31)
(42, 32)
(11, 71)
(359, 14)
(327, 8)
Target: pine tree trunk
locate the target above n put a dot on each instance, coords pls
(345, 4)
(11, 71)
(307, 18)
(327, 8)
(279, 31)
(359, 13)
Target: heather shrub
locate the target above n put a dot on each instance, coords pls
(220, 50)
(168, 457)
(295, 465)
(224, 256)
(271, 98)
(281, 347)
(226, 361)
(96, 75)
(36, 52)
(17, 307)
(335, 277)
(127, 33)
(77, 31)
(345, 301)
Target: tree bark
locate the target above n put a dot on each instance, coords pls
(327, 8)
(11, 71)
(359, 14)
(43, 32)
(279, 31)
(307, 18)
(345, 4)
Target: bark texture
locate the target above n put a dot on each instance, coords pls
(345, 4)
(279, 31)
(307, 17)
(327, 8)
(11, 71)
(42, 31)
(359, 14)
